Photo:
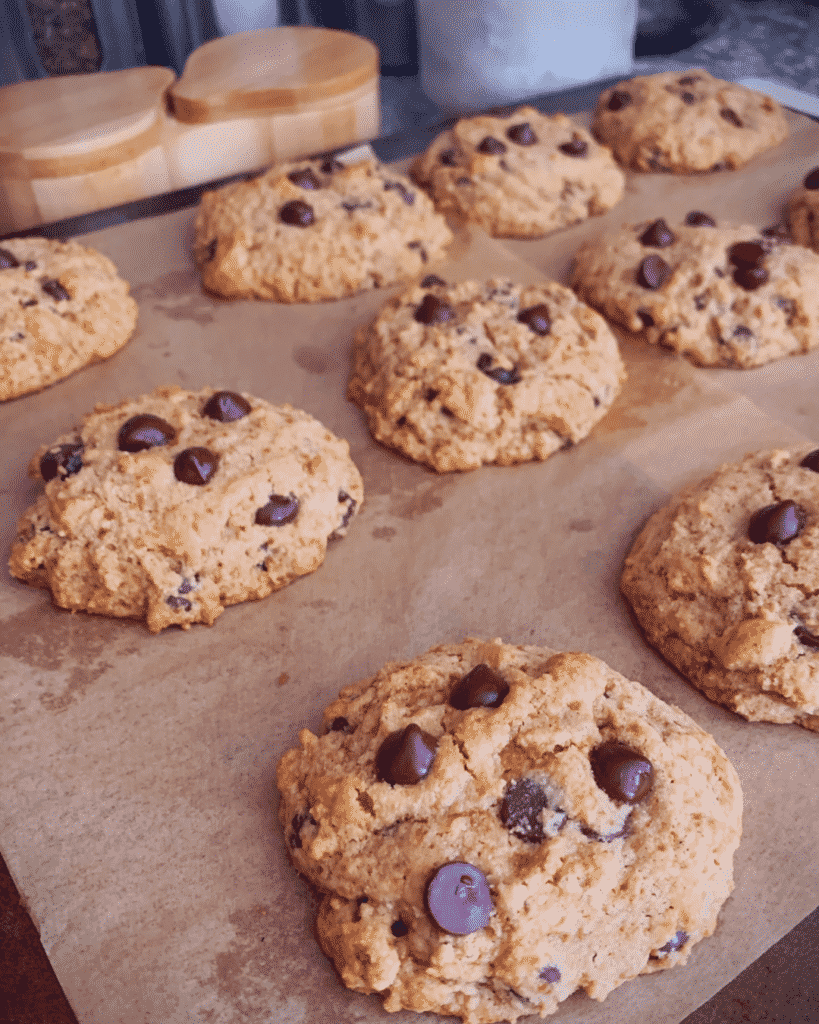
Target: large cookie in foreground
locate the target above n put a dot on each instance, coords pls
(171, 506)
(521, 175)
(62, 306)
(493, 827)
(315, 230)
(721, 295)
(687, 122)
(723, 583)
(459, 375)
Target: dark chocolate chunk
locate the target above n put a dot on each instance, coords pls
(491, 146)
(658, 234)
(674, 944)
(537, 319)
(449, 158)
(646, 318)
(740, 331)
(434, 310)
(279, 511)
(458, 898)
(431, 394)
(297, 213)
(731, 116)
(653, 272)
(401, 421)
(340, 724)
(746, 254)
(304, 178)
(178, 603)
(195, 466)
(688, 98)
(144, 431)
(185, 587)
(55, 290)
(812, 179)
(398, 186)
(811, 461)
(432, 279)
(619, 99)
(8, 259)
(804, 636)
(521, 810)
(354, 204)
(331, 165)
(481, 687)
(576, 147)
(351, 507)
(399, 929)
(549, 974)
(499, 374)
(61, 461)
(522, 134)
(777, 524)
(621, 772)
(698, 219)
(226, 406)
(405, 757)
(30, 265)
(750, 278)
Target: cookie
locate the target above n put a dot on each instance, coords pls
(726, 295)
(802, 212)
(171, 506)
(455, 376)
(519, 175)
(686, 122)
(315, 230)
(492, 827)
(62, 307)
(723, 583)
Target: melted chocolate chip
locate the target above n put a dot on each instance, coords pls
(405, 757)
(195, 466)
(653, 272)
(30, 265)
(549, 974)
(619, 99)
(8, 260)
(431, 394)
(449, 158)
(331, 165)
(688, 80)
(434, 310)
(750, 278)
(304, 178)
(536, 319)
(777, 524)
(812, 179)
(673, 945)
(432, 279)
(340, 724)
(481, 687)
(279, 511)
(178, 603)
(658, 234)
(741, 331)
(297, 213)
(746, 254)
(621, 772)
(458, 898)
(698, 219)
(351, 507)
(399, 929)
(491, 146)
(731, 117)
(521, 809)
(62, 461)
(811, 461)
(576, 147)
(499, 374)
(144, 431)
(400, 187)
(646, 318)
(226, 406)
(688, 98)
(522, 134)
(55, 290)
(185, 587)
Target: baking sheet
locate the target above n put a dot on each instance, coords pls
(137, 783)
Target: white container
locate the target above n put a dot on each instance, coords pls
(474, 55)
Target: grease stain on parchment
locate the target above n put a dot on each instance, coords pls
(316, 360)
(178, 296)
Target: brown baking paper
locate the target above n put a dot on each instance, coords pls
(137, 780)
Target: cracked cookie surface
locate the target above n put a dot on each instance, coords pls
(721, 295)
(521, 175)
(171, 506)
(459, 375)
(723, 584)
(591, 828)
(686, 122)
(62, 306)
(315, 230)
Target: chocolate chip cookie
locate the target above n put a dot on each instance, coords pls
(520, 175)
(62, 306)
(171, 506)
(455, 376)
(687, 122)
(724, 295)
(723, 583)
(802, 212)
(315, 230)
(491, 827)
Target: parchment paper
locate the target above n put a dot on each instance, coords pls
(137, 778)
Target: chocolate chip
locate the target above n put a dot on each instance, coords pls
(577, 147)
(28, 302)
(653, 272)
(351, 507)
(30, 265)
(297, 824)
(740, 331)
(55, 290)
(405, 757)
(499, 374)
(621, 772)
(746, 254)
(688, 80)
(434, 310)
(549, 974)
(688, 98)
(658, 234)
(464, 180)
(812, 179)
(331, 165)
(185, 587)
(458, 898)
(618, 100)
(61, 461)
(432, 279)
(811, 461)
(406, 195)
(522, 134)
(399, 929)
(195, 466)
(297, 213)
(304, 178)
(750, 278)
(698, 219)
(144, 431)
(731, 117)
(481, 687)
(777, 233)
(536, 319)
(431, 394)
(449, 158)
(8, 260)
(777, 524)
(521, 809)
(226, 406)
(804, 636)
(720, 165)
(279, 511)
(210, 250)
(340, 724)
(491, 146)
(646, 318)
(673, 945)
(701, 301)
(178, 603)
(421, 250)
